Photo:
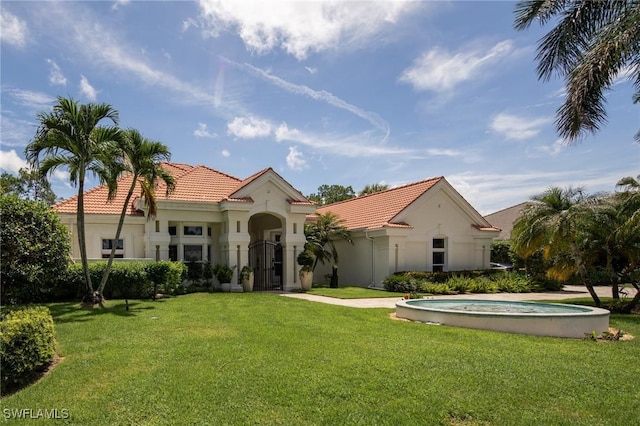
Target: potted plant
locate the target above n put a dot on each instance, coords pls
(246, 276)
(306, 260)
(223, 274)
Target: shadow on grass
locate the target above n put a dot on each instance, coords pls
(75, 312)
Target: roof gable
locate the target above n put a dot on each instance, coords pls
(250, 184)
(379, 209)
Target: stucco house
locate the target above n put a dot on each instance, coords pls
(259, 221)
(423, 226)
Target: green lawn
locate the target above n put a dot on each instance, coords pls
(352, 292)
(265, 359)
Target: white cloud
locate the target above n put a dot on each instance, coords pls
(87, 89)
(311, 70)
(225, 153)
(555, 148)
(249, 127)
(11, 162)
(519, 128)
(14, 31)
(15, 131)
(36, 101)
(353, 146)
(295, 160)
(442, 152)
(440, 71)
(319, 95)
(203, 132)
(55, 74)
(301, 27)
(119, 3)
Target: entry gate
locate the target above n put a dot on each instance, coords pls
(266, 259)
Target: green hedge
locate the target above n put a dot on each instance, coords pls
(28, 345)
(456, 282)
(135, 280)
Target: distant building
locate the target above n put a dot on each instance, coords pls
(505, 218)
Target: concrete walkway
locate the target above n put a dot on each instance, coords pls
(569, 292)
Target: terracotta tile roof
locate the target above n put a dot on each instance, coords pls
(381, 207)
(193, 183)
(95, 200)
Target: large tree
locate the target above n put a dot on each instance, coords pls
(591, 44)
(35, 249)
(328, 194)
(555, 222)
(28, 185)
(72, 137)
(141, 158)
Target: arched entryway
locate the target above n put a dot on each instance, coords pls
(266, 251)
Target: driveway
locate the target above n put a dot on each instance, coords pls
(569, 292)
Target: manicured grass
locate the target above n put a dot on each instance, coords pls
(352, 292)
(266, 359)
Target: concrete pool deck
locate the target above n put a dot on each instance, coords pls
(569, 292)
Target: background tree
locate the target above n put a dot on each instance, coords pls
(373, 188)
(555, 222)
(35, 248)
(592, 43)
(328, 194)
(141, 158)
(28, 185)
(71, 137)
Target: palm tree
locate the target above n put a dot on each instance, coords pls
(592, 43)
(555, 223)
(373, 188)
(321, 235)
(628, 233)
(141, 158)
(70, 136)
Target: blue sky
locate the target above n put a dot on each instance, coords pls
(347, 93)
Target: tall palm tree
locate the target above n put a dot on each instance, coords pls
(322, 234)
(71, 137)
(592, 43)
(554, 223)
(141, 158)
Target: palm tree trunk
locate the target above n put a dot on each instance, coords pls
(582, 273)
(82, 241)
(114, 244)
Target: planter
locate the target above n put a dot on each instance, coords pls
(226, 287)
(306, 280)
(247, 283)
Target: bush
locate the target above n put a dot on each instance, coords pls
(35, 246)
(28, 345)
(401, 284)
(135, 280)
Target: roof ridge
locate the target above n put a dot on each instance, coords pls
(360, 197)
(507, 208)
(217, 171)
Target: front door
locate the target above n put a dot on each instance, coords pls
(266, 259)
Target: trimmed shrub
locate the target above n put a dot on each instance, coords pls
(401, 284)
(134, 280)
(28, 345)
(510, 282)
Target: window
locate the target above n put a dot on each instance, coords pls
(107, 244)
(193, 253)
(172, 230)
(439, 254)
(193, 230)
(157, 226)
(173, 253)
(209, 231)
